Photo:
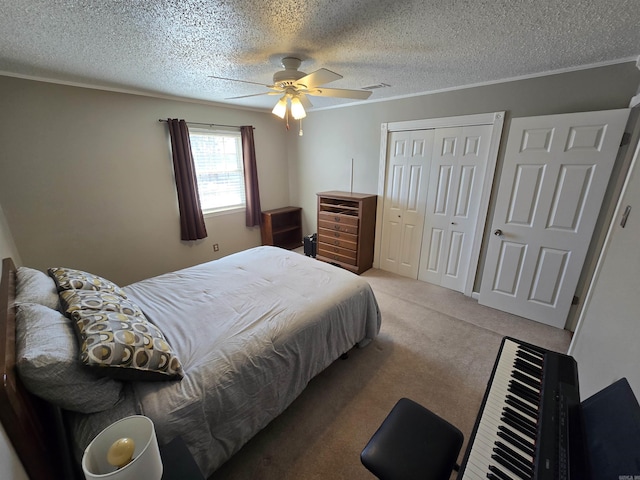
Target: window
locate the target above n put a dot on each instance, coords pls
(217, 156)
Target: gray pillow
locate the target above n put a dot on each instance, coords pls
(34, 286)
(47, 359)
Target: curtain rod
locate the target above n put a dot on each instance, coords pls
(207, 124)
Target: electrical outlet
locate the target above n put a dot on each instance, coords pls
(215, 247)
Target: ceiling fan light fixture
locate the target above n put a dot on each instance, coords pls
(297, 110)
(281, 107)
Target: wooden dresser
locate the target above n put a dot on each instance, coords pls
(346, 229)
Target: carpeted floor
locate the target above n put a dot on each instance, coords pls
(436, 346)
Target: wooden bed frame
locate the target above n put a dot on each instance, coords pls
(34, 427)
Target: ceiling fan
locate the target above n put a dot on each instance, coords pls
(294, 86)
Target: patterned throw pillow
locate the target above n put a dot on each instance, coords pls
(71, 279)
(76, 300)
(125, 347)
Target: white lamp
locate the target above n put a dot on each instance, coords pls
(281, 107)
(111, 445)
(297, 110)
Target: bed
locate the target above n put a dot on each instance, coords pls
(249, 331)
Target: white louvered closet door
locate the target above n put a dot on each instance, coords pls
(407, 176)
(458, 168)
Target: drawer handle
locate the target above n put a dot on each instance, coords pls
(337, 219)
(336, 242)
(337, 234)
(337, 227)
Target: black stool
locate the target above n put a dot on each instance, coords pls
(413, 443)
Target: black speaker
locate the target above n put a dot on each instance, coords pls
(310, 245)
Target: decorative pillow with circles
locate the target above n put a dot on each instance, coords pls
(125, 347)
(72, 279)
(73, 301)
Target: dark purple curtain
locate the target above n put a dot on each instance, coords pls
(191, 219)
(254, 213)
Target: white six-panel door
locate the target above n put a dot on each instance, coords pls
(458, 167)
(407, 177)
(554, 177)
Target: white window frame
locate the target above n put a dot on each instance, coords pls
(224, 209)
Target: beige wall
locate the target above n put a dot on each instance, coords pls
(86, 179)
(321, 159)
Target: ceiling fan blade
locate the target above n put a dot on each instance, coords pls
(319, 77)
(254, 95)
(340, 93)
(306, 103)
(243, 81)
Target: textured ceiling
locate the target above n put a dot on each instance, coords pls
(171, 47)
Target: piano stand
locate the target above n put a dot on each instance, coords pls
(413, 443)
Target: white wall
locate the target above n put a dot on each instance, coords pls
(605, 344)
(10, 466)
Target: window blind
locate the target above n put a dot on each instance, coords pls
(219, 169)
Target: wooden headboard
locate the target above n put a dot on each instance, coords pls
(33, 426)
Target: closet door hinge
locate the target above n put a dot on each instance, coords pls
(626, 138)
(625, 216)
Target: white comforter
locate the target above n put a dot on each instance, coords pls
(251, 330)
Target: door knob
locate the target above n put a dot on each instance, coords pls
(498, 232)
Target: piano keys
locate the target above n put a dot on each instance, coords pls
(521, 429)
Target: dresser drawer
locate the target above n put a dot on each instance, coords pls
(338, 218)
(348, 259)
(331, 236)
(334, 249)
(339, 227)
